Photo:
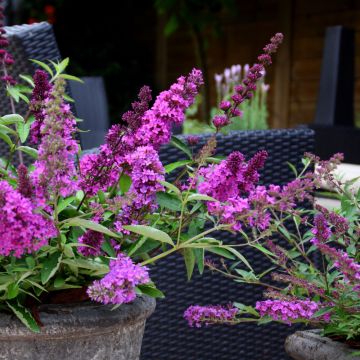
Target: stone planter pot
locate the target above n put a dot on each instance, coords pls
(78, 332)
(309, 345)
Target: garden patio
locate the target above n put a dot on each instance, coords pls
(205, 196)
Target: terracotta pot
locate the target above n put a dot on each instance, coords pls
(85, 331)
(309, 345)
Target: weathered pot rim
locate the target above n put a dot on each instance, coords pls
(80, 320)
(303, 339)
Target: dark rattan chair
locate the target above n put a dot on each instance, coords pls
(36, 41)
(167, 335)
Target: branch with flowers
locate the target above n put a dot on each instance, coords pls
(88, 226)
(313, 253)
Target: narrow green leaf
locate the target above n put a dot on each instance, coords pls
(150, 232)
(194, 197)
(189, 258)
(11, 119)
(24, 316)
(71, 77)
(87, 264)
(171, 167)
(125, 183)
(168, 201)
(7, 139)
(64, 203)
(221, 251)
(171, 187)
(28, 79)
(239, 256)
(151, 291)
(181, 145)
(50, 266)
(199, 256)
(262, 249)
(12, 291)
(29, 150)
(88, 224)
(63, 65)
(293, 168)
(23, 130)
(43, 65)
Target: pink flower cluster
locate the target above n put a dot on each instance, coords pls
(288, 311)
(233, 184)
(55, 168)
(341, 260)
(168, 110)
(22, 229)
(199, 315)
(118, 286)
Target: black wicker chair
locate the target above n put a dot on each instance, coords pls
(167, 335)
(36, 41)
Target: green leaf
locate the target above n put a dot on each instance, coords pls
(64, 203)
(23, 130)
(170, 187)
(125, 183)
(28, 79)
(12, 291)
(262, 249)
(50, 266)
(7, 139)
(322, 311)
(24, 316)
(293, 168)
(199, 257)
(43, 65)
(59, 282)
(189, 258)
(239, 256)
(151, 291)
(107, 247)
(63, 65)
(14, 93)
(181, 145)
(30, 261)
(71, 77)
(168, 201)
(6, 130)
(221, 251)
(150, 232)
(87, 264)
(137, 245)
(171, 167)
(194, 197)
(29, 150)
(11, 119)
(88, 224)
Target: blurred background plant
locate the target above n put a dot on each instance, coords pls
(254, 112)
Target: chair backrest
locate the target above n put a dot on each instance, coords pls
(35, 41)
(167, 335)
(91, 105)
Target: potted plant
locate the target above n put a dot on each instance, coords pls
(78, 233)
(313, 255)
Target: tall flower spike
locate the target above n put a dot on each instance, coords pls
(41, 91)
(55, 169)
(246, 89)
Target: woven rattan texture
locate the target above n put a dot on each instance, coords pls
(167, 336)
(36, 41)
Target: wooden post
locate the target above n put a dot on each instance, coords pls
(283, 67)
